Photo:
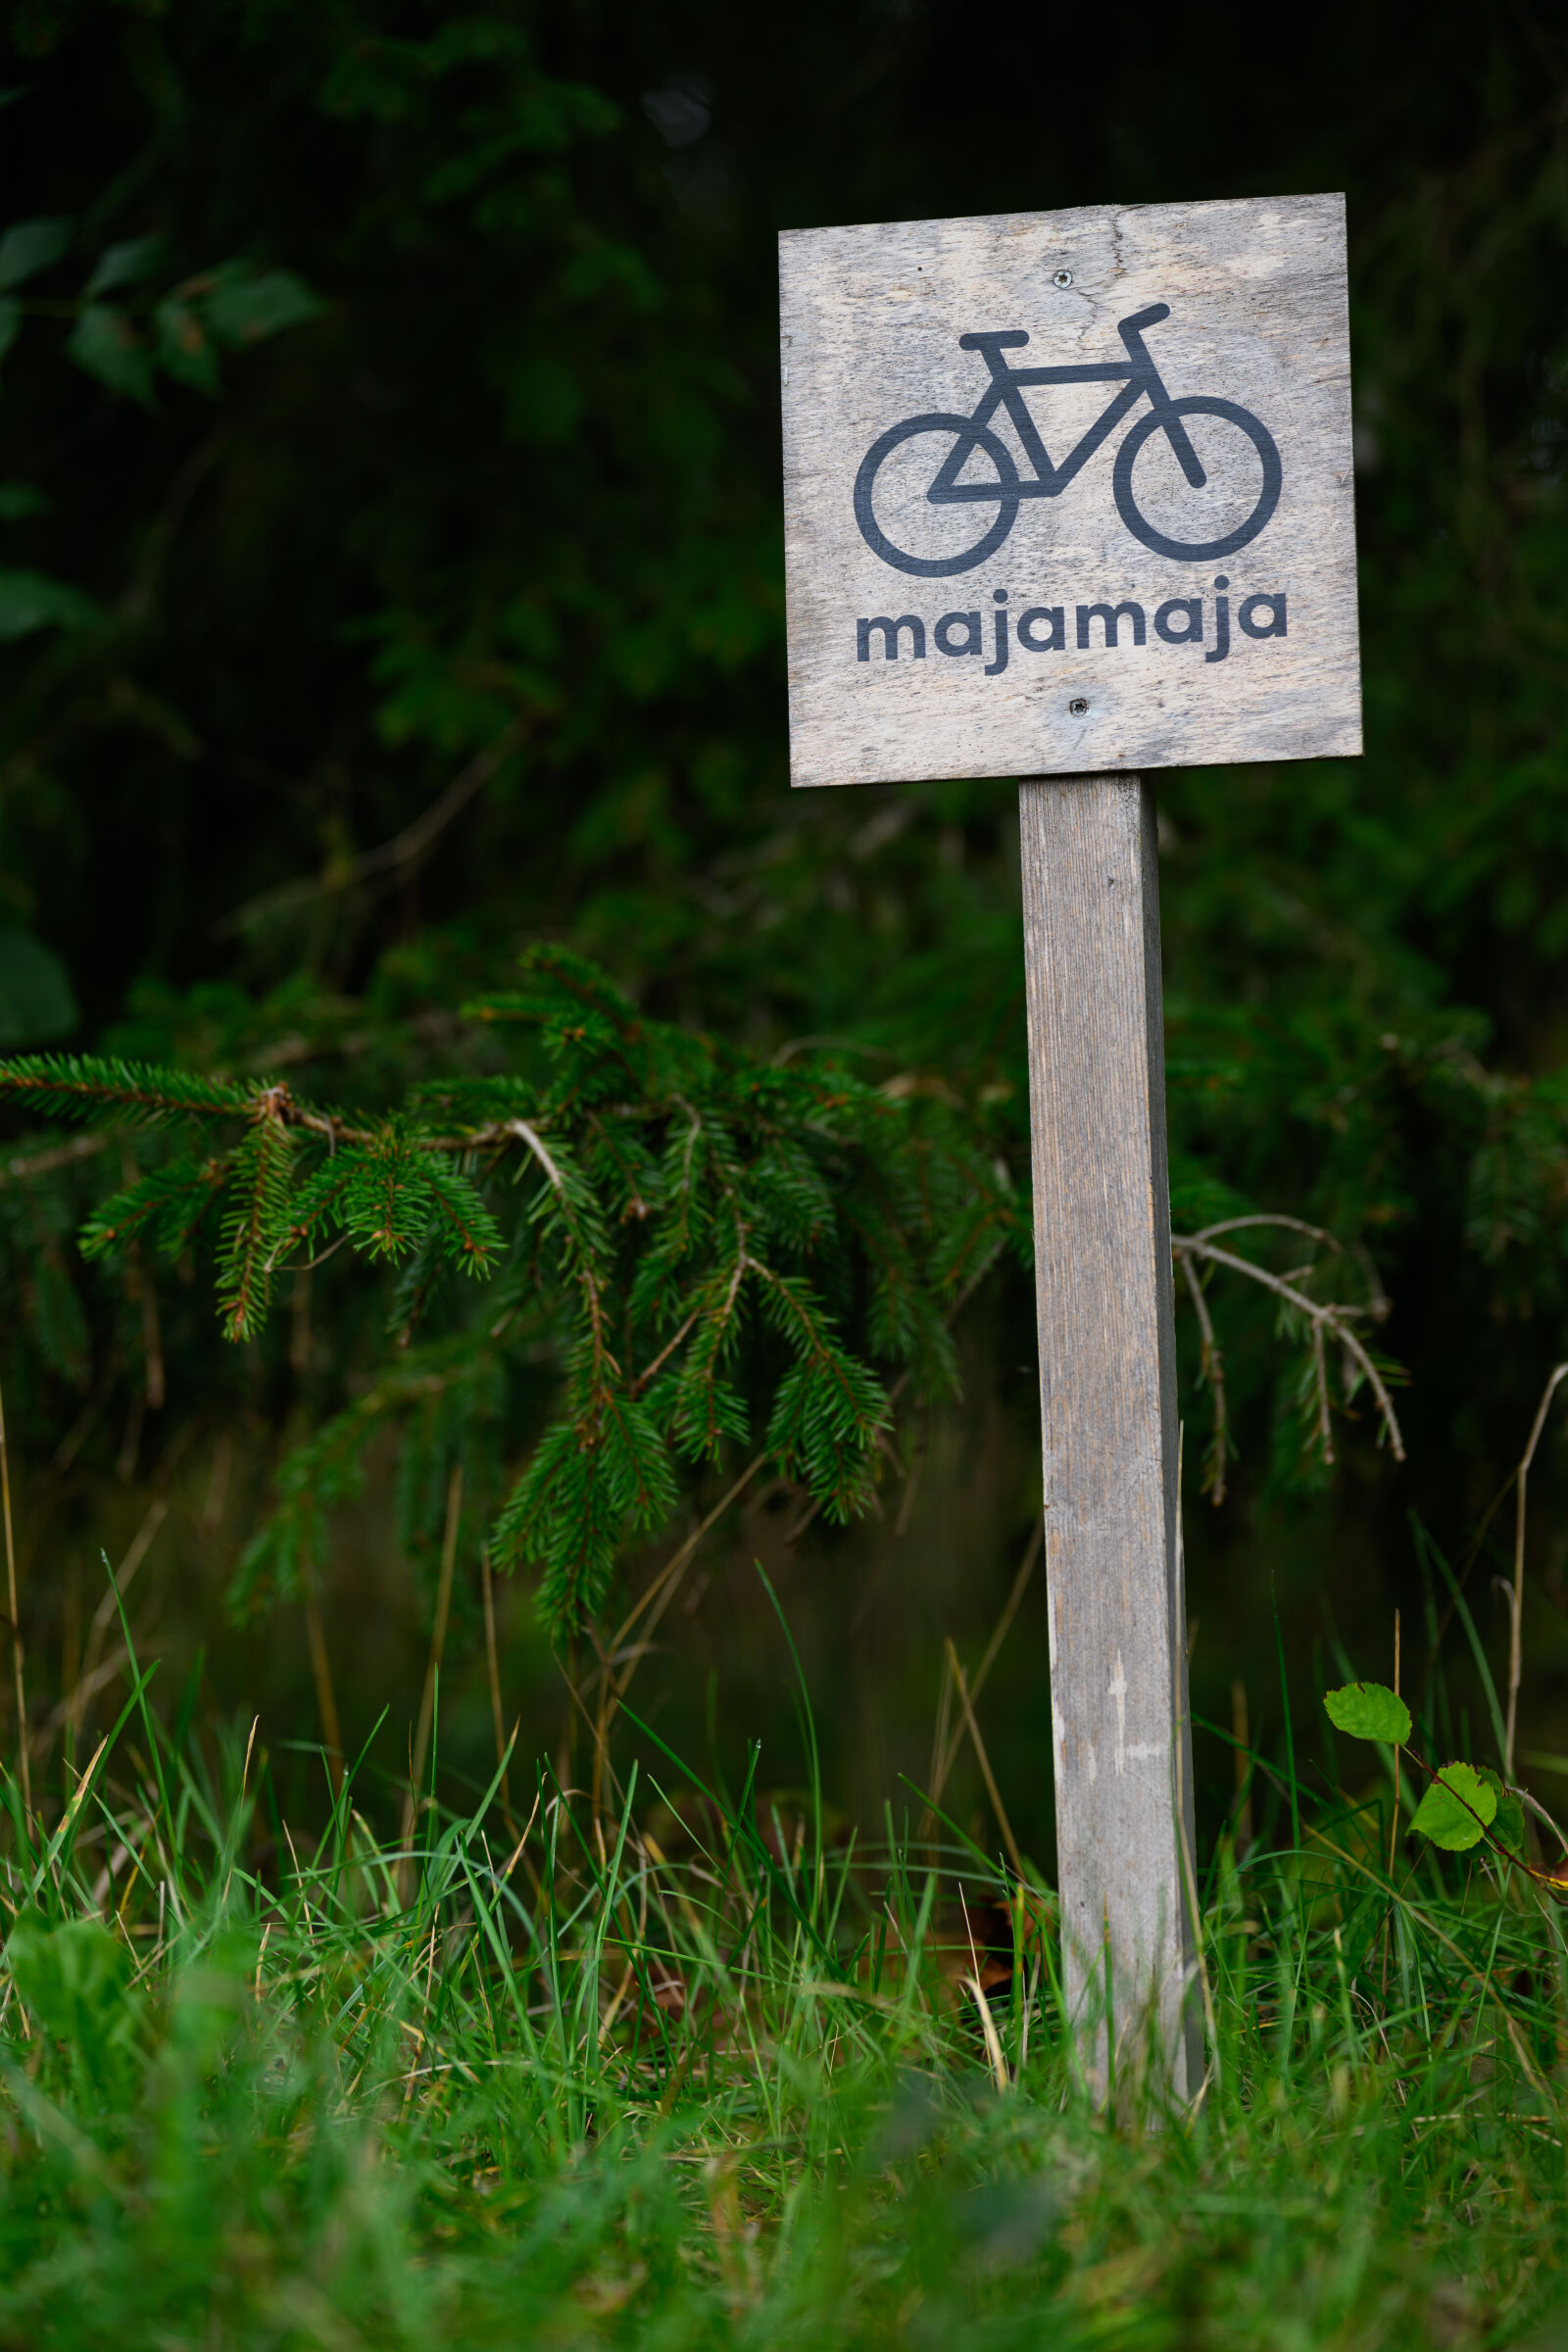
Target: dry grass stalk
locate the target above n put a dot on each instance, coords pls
(438, 1642)
(1026, 1567)
(1516, 1597)
(984, 1761)
(325, 1695)
(493, 1667)
(16, 1614)
(92, 1676)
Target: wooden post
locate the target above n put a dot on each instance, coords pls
(1122, 1744)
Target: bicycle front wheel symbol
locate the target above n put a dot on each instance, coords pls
(1198, 523)
(917, 527)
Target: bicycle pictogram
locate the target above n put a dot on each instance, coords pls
(1003, 489)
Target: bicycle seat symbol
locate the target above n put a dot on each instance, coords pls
(1002, 489)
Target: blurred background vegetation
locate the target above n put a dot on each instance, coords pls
(391, 580)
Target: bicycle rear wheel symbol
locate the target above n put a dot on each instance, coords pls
(1002, 491)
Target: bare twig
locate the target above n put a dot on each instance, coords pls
(536, 1144)
(1313, 1233)
(1328, 1317)
(1320, 1377)
(22, 1166)
(404, 849)
(1516, 1599)
(1533, 1805)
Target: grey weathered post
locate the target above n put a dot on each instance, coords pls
(1121, 1740)
(1069, 493)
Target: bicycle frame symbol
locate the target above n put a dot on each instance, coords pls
(1139, 378)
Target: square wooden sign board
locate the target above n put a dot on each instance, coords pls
(1069, 492)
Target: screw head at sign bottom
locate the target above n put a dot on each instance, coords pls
(1078, 707)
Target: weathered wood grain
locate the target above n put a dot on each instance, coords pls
(1107, 1379)
(871, 318)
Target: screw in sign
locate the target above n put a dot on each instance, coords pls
(1176, 587)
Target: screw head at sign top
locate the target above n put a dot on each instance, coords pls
(1064, 277)
(1077, 708)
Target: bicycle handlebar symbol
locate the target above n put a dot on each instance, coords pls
(1139, 378)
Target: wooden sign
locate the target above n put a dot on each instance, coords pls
(1069, 495)
(1069, 491)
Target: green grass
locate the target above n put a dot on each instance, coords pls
(680, 2077)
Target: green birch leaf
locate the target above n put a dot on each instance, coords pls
(1509, 1822)
(9, 323)
(246, 308)
(185, 347)
(1455, 1809)
(105, 343)
(1369, 1711)
(31, 600)
(31, 246)
(123, 265)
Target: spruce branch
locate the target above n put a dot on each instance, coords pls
(165, 1206)
(259, 1184)
(84, 1086)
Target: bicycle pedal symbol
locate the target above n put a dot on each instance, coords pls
(1002, 489)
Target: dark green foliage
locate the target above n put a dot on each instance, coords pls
(706, 1250)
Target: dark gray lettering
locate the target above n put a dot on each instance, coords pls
(1246, 620)
(890, 636)
(1057, 642)
(973, 642)
(1191, 608)
(1110, 616)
